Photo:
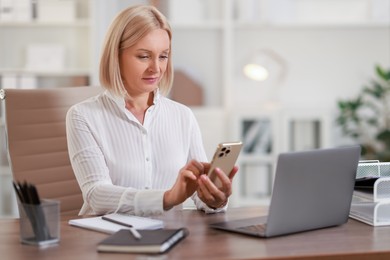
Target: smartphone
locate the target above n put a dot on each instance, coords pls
(225, 158)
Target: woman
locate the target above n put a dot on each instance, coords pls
(132, 149)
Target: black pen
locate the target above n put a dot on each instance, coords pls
(18, 192)
(133, 231)
(30, 202)
(34, 195)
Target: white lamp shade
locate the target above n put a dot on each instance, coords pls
(256, 72)
(264, 65)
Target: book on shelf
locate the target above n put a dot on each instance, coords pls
(101, 225)
(152, 241)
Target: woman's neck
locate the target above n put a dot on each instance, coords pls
(138, 105)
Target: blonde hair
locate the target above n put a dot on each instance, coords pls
(128, 27)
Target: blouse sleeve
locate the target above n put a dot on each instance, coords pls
(99, 194)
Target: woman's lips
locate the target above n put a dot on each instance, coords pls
(150, 80)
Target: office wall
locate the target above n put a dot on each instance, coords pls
(324, 63)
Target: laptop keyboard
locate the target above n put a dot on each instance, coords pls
(258, 229)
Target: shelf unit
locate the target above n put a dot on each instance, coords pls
(75, 37)
(259, 132)
(204, 21)
(213, 46)
(311, 110)
(72, 36)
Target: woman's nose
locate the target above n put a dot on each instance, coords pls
(153, 66)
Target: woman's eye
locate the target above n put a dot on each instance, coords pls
(163, 57)
(143, 57)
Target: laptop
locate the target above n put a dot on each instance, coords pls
(312, 190)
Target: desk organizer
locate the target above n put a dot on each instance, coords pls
(373, 206)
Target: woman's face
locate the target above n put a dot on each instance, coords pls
(143, 64)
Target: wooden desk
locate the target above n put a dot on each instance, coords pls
(353, 240)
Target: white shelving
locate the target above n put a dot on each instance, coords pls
(74, 35)
(325, 60)
(209, 29)
(71, 36)
(322, 57)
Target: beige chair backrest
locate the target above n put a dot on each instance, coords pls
(37, 147)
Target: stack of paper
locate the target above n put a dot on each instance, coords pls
(101, 225)
(371, 204)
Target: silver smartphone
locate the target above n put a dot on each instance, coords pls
(225, 158)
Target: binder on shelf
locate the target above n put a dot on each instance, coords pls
(371, 198)
(7, 11)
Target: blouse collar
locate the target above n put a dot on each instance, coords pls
(120, 101)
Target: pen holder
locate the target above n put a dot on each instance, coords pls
(40, 224)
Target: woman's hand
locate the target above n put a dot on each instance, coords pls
(186, 184)
(209, 193)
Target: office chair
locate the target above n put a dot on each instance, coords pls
(37, 146)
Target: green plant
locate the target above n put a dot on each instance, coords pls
(366, 118)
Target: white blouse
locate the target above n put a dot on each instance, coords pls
(124, 166)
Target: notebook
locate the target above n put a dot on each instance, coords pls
(152, 241)
(101, 225)
(312, 190)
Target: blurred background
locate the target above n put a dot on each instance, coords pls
(280, 75)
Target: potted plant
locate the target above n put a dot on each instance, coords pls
(366, 118)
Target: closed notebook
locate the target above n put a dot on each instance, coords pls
(152, 241)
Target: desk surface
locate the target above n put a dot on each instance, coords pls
(348, 241)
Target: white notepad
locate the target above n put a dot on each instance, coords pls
(98, 224)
